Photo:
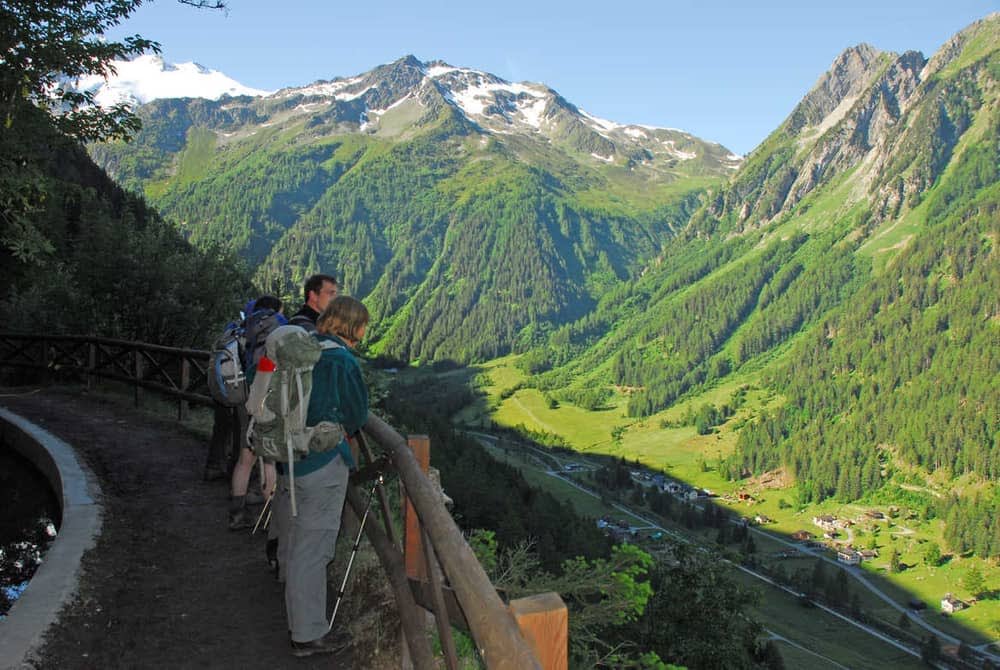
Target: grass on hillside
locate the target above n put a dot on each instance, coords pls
(692, 458)
(832, 638)
(837, 643)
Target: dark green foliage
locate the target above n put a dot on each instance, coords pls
(696, 616)
(674, 352)
(114, 268)
(971, 523)
(44, 44)
(913, 363)
(795, 297)
(487, 493)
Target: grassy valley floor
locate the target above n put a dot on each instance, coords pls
(661, 443)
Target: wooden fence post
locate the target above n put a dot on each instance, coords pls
(137, 364)
(91, 364)
(544, 622)
(413, 551)
(182, 405)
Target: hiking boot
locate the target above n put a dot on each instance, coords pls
(328, 644)
(254, 497)
(239, 518)
(271, 550)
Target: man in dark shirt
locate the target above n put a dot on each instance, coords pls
(317, 293)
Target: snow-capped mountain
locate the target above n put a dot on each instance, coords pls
(499, 107)
(390, 99)
(149, 78)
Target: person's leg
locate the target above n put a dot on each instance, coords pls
(269, 480)
(215, 460)
(241, 473)
(312, 539)
(239, 517)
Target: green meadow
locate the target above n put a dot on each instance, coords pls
(659, 442)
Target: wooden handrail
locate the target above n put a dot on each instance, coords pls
(494, 629)
(137, 363)
(87, 339)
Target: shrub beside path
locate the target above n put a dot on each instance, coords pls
(167, 585)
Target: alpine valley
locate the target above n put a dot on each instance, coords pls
(828, 306)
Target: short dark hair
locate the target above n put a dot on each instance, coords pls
(315, 284)
(267, 302)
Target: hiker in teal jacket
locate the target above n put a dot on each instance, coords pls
(339, 396)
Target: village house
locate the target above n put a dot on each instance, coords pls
(869, 554)
(825, 521)
(950, 604)
(875, 514)
(802, 535)
(848, 556)
(762, 519)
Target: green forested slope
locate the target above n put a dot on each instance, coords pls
(867, 296)
(910, 369)
(105, 263)
(464, 245)
(849, 266)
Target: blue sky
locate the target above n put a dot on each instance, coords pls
(728, 72)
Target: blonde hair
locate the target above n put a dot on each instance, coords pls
(344, 316)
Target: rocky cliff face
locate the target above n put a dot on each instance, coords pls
(894, 120)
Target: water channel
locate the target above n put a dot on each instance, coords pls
(29, 521)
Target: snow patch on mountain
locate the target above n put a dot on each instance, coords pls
(326, 89)
(601, 124)
(149, 78)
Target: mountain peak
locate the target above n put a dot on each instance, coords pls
(149, 77)
(849, 74)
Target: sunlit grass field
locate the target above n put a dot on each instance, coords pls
(683, 454)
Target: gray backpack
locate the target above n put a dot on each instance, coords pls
(279, 401)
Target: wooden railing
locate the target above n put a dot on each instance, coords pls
(178, 373)
(433, 569)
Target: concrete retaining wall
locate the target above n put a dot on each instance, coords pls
(57, 577)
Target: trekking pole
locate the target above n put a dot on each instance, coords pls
(263, 510)
(354, 550)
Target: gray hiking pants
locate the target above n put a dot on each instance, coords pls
(311, 538)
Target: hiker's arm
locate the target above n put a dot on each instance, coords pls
(353, 399)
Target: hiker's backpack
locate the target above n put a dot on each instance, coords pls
(226, 380)
(236, 351)
(256, 329)
(278, 401)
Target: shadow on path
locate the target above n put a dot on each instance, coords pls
(167, 585)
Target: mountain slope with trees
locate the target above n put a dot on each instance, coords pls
(78, 254)
(849, 263)
(471, 214)
(853, 266)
